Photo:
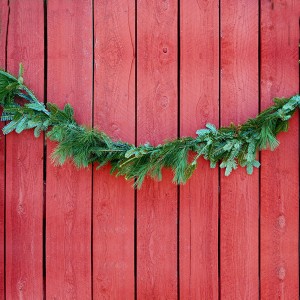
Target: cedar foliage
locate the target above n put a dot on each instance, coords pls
(230, 146)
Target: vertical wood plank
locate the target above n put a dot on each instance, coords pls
(279, 173)
(24, 160)
(156, 121)
(239, 192)
(3, 31)
(114, 113)
(68, 209)
(199, 104)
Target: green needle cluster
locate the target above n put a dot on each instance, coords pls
(229, 146)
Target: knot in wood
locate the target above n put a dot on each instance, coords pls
(281, 221)
(164, 101)
(281, 273)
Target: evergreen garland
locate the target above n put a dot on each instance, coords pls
(231, 146)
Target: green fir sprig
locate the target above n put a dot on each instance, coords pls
(229, 146)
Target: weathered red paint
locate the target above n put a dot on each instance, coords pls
(114, 112)
(199, 104)
(239, 193)
(202, 242)
(24, 160)
(279, 183)
(68, 194)
(157, 97)
(3, 26)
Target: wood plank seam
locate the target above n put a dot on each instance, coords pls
(45, 151)
(4, 25)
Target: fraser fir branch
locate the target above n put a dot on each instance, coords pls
(231, 146)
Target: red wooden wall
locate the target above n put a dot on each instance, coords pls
(145, 71)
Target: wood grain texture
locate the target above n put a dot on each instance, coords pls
(24, 160)
(3, 31)
(114, 112)
(157, 120)
(90, 250)
(68, 208)
(279, 172)
(4, 10)
(199, 104)
(239, 193)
